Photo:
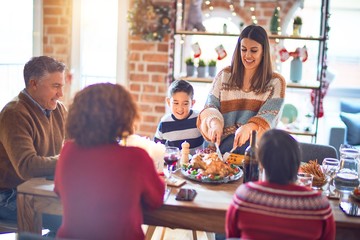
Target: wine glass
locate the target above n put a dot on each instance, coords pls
(171, 157)
(330, 166)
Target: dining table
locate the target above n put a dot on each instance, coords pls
(206, 212)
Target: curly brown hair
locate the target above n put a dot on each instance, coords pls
(101, 114)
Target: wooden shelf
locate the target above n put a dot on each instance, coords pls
(302, 133)
(296, 37)
(237, 35)
(300, 85)
(304, 85)
(197, 79)
(205, 34)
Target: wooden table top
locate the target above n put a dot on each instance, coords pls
(203, 213)
(213, 196)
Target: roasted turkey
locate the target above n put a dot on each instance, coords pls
(211, 164)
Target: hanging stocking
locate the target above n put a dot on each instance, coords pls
(315, 99)
(221, 52)
(197, 50)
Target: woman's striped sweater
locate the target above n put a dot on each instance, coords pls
(235, 107)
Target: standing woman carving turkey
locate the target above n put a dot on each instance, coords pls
(245, 96)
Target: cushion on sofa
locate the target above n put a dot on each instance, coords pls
(352, 122)
(349, 106)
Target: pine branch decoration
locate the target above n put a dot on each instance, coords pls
(150, 21)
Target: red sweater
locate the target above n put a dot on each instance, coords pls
(261, 210)
(104, 189)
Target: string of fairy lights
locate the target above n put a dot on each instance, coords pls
(232, 8)
(232, 5)
(208, 6)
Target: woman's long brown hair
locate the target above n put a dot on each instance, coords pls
(264, 72)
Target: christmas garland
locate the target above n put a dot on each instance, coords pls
(148, 20)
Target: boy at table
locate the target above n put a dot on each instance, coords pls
(180, 124)
(278, 208)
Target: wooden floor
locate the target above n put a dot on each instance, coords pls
(177, 234)
(168, 234)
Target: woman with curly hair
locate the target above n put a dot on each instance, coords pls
(104, 186)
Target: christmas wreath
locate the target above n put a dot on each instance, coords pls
(148, 20)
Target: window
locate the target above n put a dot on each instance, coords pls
(18, 36)
(99, 44)
(344, 49)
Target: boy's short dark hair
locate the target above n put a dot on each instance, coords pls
(181, 86)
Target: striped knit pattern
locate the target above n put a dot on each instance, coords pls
(174, 132)
(264, 200)
(239, 107)
(263, 210)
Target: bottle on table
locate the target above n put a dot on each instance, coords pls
(251, 163)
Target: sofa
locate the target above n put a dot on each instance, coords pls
(346, 128)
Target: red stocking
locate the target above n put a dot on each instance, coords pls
(314, 99)
(221, 52)
(197, 50)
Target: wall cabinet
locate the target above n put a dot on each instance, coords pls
(314, 70)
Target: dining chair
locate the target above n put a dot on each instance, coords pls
(7, 226)
(312, 151)
(34, 236)
(151, 229)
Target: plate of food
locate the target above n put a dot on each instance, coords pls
(208, 168)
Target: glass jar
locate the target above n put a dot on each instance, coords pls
(348, 176)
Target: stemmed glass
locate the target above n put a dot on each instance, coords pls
(330, 167)
(171, 157)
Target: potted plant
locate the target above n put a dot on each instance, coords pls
(190, 68)
(297, 26)
(212, 68)
(201, 69)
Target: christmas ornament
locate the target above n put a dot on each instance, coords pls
(221, 52)
(197, 50)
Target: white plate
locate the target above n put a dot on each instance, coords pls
(206, 179)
